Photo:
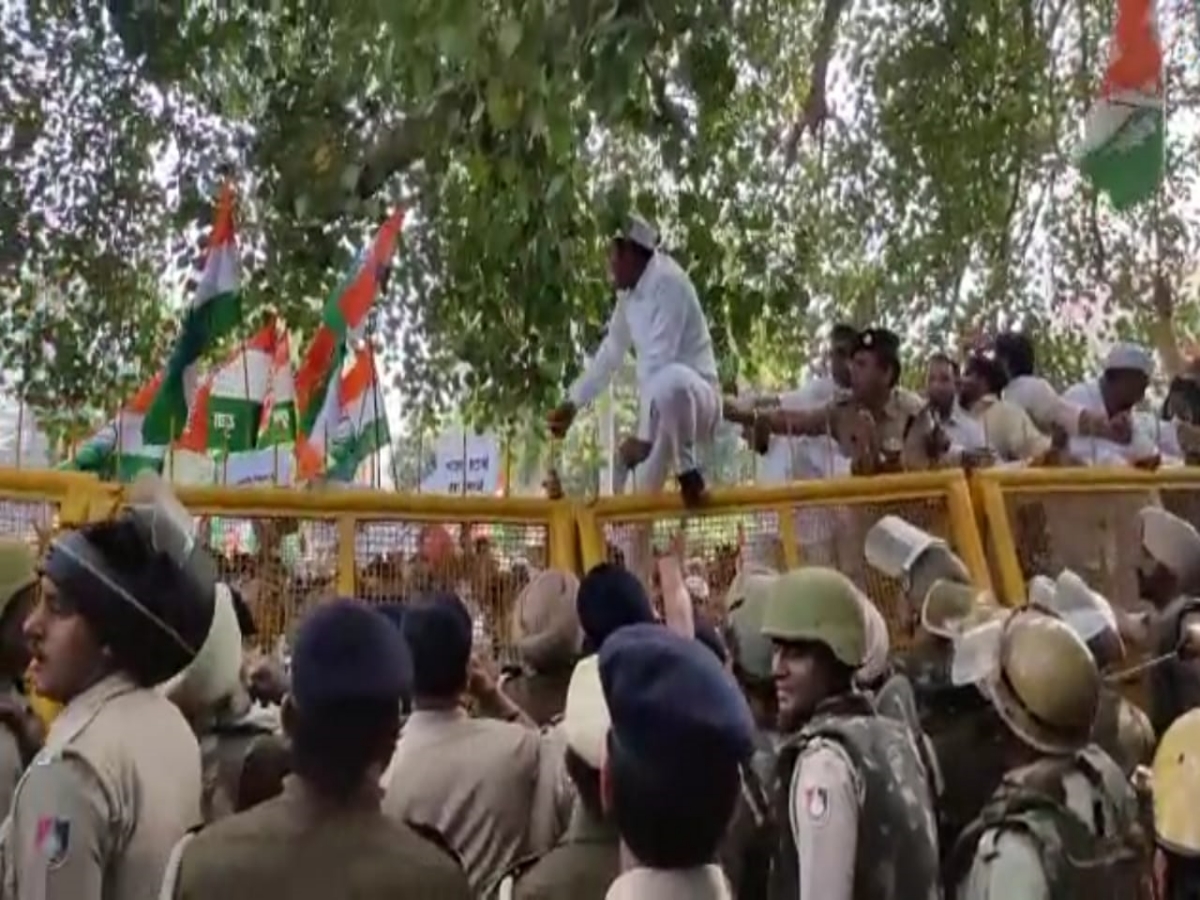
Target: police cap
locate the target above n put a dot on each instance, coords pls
(346, 652)
(671, 704)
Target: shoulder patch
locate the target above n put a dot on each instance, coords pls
(816, 804)
(53, 839)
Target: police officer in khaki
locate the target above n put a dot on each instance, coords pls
(1176, 784)
(1122, 730)
(1169, 578)
(547, 637)
(586, 860)
(124, 605)
(326, 835)
(212, 697)
(1063, 822)
(852, 786)
(747, 848)
(20, 731)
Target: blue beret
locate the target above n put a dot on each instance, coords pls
(346, 652)
(671, 703)
(610, 597)
(439, 632)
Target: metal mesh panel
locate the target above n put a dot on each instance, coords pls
(26, 519)
(281, 565)
(828, 534)
(486, 564)
(1095, 534)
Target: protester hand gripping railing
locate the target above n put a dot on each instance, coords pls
(1038, 521)
(819, 521)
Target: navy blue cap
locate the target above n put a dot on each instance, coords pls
(671, 703)
(438, 630)
(346, 652)
(610, 597)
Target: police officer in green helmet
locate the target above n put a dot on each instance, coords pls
(1063, 822)
(851, 783)
(745, 854)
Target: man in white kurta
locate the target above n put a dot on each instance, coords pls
(658, 316)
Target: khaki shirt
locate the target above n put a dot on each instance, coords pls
(826, 797)
(1008, 430)
(11, 764)
(483, 784)
(704, 883)
(97, 813)
(293, 847)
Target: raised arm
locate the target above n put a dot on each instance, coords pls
(601, 368)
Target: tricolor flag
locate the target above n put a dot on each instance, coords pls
(271, 460)
(215, 310)
(345, 313)
(362, 429)
(1123, 142)
(225, 415)
(117, 450)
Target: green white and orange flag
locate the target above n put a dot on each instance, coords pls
(214, 311)
(225, 414)
(117, 450)
(272, 459)
(345, 313)
(1125, 132)
(362, 429)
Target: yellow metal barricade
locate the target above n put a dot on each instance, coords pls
(309, 545)
(1038, 521)
(821, 521)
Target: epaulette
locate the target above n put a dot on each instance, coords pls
(435, 837)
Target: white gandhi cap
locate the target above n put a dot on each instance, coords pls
(1134, 357)
(585, 718)
(640, 232)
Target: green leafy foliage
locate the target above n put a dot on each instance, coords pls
(938, 196)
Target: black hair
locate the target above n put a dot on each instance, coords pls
(586, 781)
(843, 331)
(989, 371)
(1014, 351)
(1187, 390)
(439, 645)
(333, 746)
(672, 820)
(945, 359)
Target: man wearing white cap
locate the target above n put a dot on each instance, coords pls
(1169, 578)
(587, 859)
(657, 315)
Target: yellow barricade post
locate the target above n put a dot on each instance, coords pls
(821, 521)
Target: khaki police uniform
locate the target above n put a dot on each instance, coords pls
(705, 883)
(483, 784)
(113, 790)
(854, 790)
(295, 847)
(20, 732)
(1065, 824)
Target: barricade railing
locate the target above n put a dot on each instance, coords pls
(812, 521)
(1041, 520)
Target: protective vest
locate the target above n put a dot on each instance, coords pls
(1108, 864)
(896, 856)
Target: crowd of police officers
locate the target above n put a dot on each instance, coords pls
(777, 750)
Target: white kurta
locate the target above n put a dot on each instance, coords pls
(661, 320)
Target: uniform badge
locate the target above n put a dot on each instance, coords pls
(816, 803)
(53, 839)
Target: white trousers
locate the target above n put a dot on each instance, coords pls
(678, 411)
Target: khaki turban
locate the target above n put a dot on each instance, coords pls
(545, 624)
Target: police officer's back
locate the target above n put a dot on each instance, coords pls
(586, 860)
(124, 605)
(680, 734)
(1063, 822)
(326, 836)
(20, 731)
